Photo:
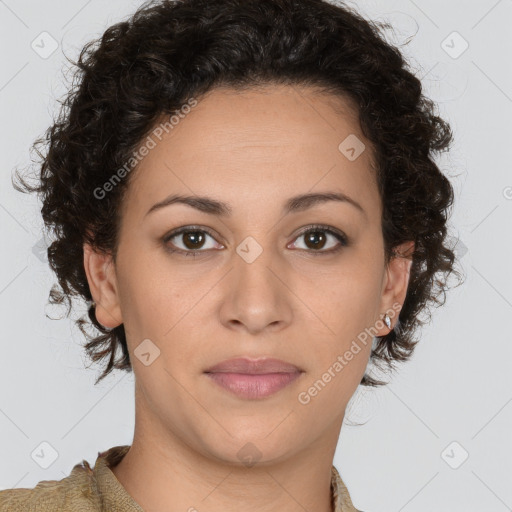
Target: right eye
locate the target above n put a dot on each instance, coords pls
(192, 239)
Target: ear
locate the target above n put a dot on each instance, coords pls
(396, 281)
(101, 276)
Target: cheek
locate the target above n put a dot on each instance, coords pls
(151, 290)
(346, 296)
(345, 304)
(166, 314)
(142, 297)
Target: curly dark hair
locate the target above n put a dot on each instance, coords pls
(171, 50)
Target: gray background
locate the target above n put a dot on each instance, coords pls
(458, 386)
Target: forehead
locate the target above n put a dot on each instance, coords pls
(264, 144)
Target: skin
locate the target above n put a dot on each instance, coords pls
(253, 150)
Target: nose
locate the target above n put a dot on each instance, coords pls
(256, 295)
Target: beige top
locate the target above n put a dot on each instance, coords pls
(98, 490)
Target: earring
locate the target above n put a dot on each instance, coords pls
(93, 304)
(387, 321)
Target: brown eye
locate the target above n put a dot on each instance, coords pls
(193, 239)
(189, 241)
(316, 238)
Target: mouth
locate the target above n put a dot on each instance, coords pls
(253, 379)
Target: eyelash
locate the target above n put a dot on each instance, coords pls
(340, 236)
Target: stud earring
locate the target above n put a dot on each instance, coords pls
(387, 321)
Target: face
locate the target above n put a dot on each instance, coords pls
(299, 281)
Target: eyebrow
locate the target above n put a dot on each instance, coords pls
(294, 204)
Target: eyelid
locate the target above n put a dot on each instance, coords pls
(185, 229)
(343, 240)
(322, 227)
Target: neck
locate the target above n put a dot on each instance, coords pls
(161, 470)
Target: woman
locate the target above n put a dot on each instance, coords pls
(245, 193)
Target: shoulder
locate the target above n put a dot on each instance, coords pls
(74, 492)
(341, 497)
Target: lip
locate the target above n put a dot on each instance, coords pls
(253, 378)
(251, 366)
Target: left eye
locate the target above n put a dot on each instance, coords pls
(315, 239)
